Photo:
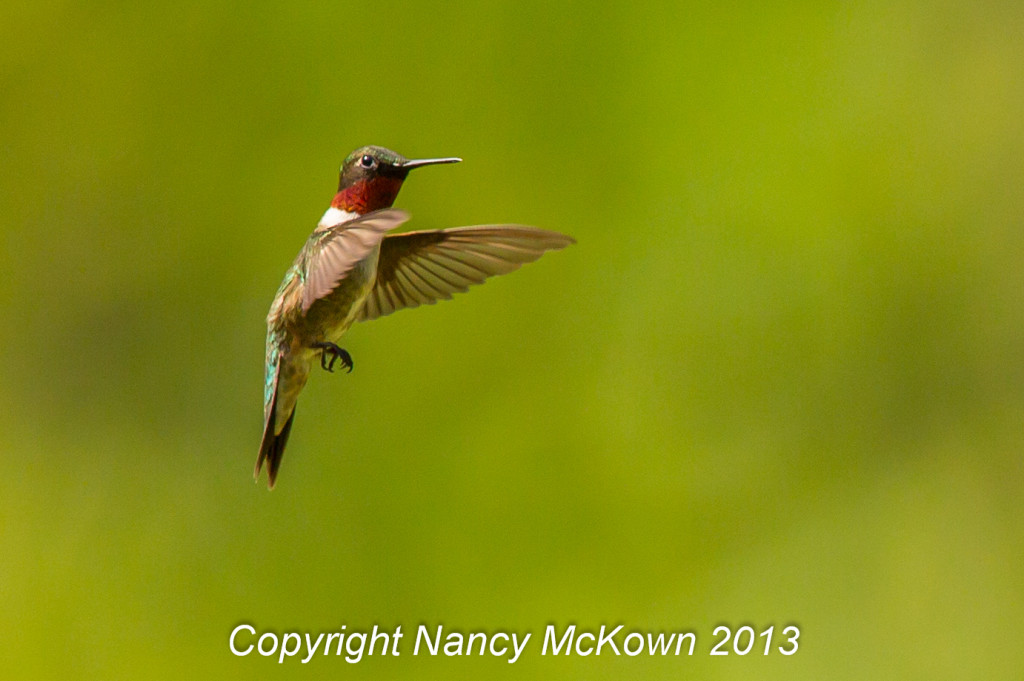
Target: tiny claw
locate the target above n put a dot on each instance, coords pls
(335, 353)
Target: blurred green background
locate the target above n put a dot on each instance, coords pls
(779, 380)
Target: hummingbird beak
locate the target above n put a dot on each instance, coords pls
(420, 162)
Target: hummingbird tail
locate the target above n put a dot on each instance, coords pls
(272, 446)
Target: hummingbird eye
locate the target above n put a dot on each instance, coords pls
(367, 161)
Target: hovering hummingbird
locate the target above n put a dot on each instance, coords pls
(350, 270)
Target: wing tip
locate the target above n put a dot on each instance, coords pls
(562, 240)
(551, 239)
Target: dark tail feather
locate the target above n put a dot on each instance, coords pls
(272, 446)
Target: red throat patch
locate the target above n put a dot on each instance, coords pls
(368, 195)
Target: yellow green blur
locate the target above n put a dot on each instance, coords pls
(779, 379)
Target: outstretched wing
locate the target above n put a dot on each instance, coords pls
(420, 268)
(333, 252)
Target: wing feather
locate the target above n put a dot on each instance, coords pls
(420, 268)
(404, 280)
(415, 274)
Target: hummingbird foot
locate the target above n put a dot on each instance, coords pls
(335, 353)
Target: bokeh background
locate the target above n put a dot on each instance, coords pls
(779, 380)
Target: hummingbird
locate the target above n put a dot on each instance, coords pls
(351, 270)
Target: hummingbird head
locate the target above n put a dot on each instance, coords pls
(371, 177)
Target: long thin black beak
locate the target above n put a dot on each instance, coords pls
(420, 162)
